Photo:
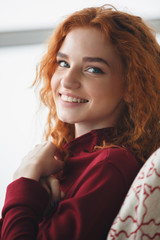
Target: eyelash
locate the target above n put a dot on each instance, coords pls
(96, 69)
(62, 61)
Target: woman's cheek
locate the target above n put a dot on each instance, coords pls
(53, 82)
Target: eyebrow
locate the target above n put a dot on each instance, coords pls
(85, 59)
(96, 59)
(63, 55)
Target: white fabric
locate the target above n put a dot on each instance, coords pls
(139, 216)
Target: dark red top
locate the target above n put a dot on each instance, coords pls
(95, 186)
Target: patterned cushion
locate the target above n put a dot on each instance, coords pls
(139, 216)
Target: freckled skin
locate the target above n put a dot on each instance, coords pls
(90, 69)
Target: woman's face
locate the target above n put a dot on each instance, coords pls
(88, 82)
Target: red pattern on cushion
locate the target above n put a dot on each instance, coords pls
(139, 216)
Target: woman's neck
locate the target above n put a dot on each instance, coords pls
(81, 129)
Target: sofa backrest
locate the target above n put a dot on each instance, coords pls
(139, 216)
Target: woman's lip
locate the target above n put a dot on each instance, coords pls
(71, 95)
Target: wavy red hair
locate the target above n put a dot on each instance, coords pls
(139, 124)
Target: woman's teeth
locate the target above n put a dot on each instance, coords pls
(73, 99)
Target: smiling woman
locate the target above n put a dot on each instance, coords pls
(100, 80)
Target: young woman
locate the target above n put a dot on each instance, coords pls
(101, 82)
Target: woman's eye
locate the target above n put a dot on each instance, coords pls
(63, 64)
(95, 70)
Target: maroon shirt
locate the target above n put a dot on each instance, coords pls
(95, 186)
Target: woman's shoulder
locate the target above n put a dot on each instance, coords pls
(120, 158)
(115, 154)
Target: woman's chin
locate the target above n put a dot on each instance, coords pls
(66, 120)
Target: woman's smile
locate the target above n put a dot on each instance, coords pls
(72, 99)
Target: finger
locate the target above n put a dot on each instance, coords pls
(48, 151)
(57, 165)
(54, 188)
(44, 184)
(51, 184)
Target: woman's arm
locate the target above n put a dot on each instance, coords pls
(37, 167)
(25, 203)
(86, 214)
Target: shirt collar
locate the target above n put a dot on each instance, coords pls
(88, 141)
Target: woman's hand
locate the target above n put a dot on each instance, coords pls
(40, 162)
(52, 186)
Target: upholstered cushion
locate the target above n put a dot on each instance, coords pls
(139, 216)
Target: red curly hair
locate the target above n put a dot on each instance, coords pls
(139, 124)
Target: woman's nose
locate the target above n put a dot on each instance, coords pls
(71, 80)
